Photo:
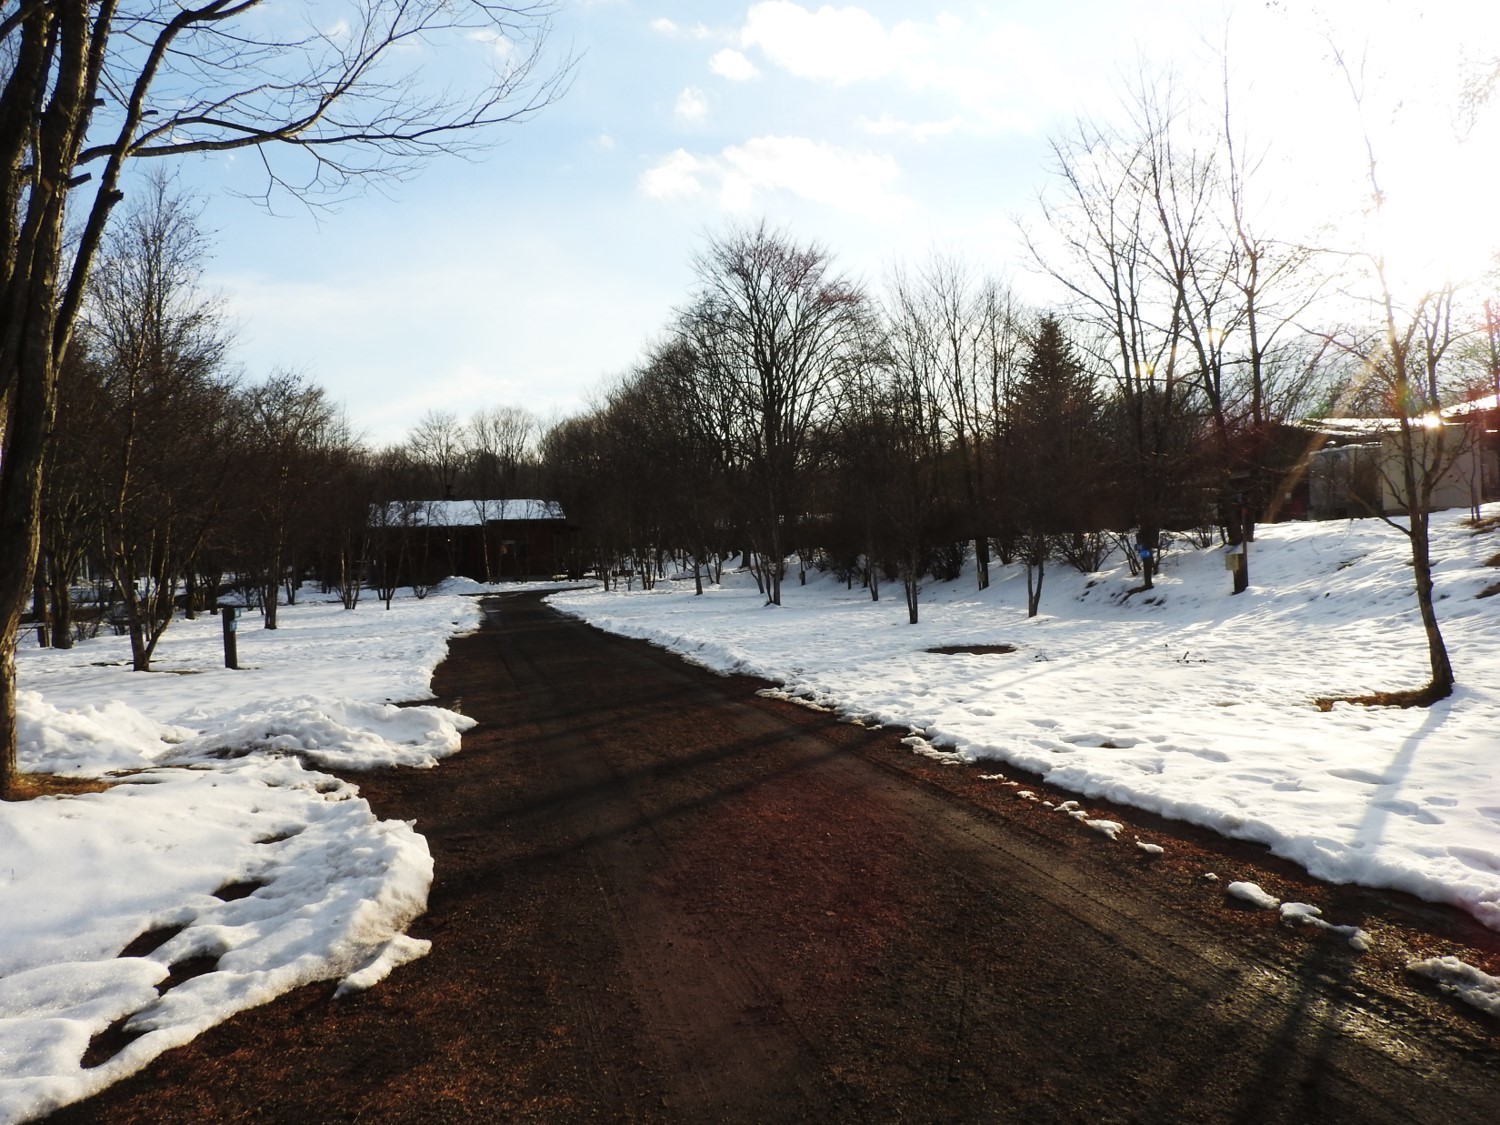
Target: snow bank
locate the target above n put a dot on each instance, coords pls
(1183, 700)
(216, 789)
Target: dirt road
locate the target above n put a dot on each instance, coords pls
(660, 897)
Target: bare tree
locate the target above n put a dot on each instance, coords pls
(91, 84)
(573, 455)
(70, 502)
(291, 427)
(1106, 254)
(1158, 240)
(498, 442)
(959, 333)
(1405, 357)
(163, 457)
(437, 445)
(925, 365)
(778, 330)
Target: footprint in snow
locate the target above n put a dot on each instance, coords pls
(1206, 755)
(1477, 858)
(1365, 777)
(1411, 809)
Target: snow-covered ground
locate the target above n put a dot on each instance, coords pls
(1185, 700)
(218, 784)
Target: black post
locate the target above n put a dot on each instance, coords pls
(41, 608)
(1239, 529)
(231, 648)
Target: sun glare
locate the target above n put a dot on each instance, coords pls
(1437, 226)
(1401, 91)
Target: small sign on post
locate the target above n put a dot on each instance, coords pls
(227, 614)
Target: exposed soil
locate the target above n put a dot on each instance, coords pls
(972, 650)
(662, 897)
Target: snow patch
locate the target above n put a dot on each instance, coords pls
(1251, 893)
(1459, 978)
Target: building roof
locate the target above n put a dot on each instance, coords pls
(1374, 427)
(1480, 405)
(463, 513)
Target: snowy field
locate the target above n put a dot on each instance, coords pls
(218, 785)
(1185, 700)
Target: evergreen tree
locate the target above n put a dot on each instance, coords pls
(1057, 443)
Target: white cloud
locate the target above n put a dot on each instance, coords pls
(605, 142)
(493, 40)
(837, 45)
(887, 126)
(673, 30)
(732, 65)
(676, 177)
(691, 106)
(1000, 74)
(860, 183)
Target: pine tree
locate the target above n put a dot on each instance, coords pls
(1056, 438)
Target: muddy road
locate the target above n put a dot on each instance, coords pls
(661, 897)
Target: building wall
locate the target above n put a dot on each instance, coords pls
(1365, 478)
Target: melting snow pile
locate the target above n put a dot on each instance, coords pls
(1183, 700)
(1462, 980)
(1251, 893)
(216, 789)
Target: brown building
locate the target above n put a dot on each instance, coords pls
(425, 541)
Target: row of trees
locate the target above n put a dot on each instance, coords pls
(168, 477)
(89, 86)
(789, 411)
(164, 473)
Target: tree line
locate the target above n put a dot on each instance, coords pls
(794, 416)
(90, 87)
(791, 415)
(788, 414)
(171, 481)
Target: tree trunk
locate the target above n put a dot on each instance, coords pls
(31, 401)
(1442, 682)
(62, 614)
(1036, 568)
(140, 654)
(41, 611)
(9, 767)
(272, 589)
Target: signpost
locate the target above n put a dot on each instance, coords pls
(228, 614)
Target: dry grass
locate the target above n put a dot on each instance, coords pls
(29, 786)
(1485, 523)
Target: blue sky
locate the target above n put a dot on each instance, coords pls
(883, 130)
